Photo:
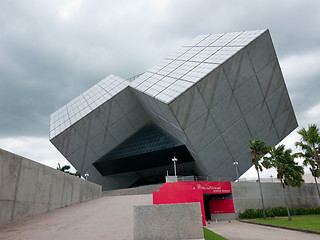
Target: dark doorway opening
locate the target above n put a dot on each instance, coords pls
(206, 199)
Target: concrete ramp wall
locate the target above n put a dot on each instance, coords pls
(28, 188)
(246, 195)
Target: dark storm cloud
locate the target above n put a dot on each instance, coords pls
(52, 51)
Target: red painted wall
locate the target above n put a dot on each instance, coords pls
(221, 206)
(174, 195)
(187, 191)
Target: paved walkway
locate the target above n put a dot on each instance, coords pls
(245, 231)
(111, 217)
(108, 217)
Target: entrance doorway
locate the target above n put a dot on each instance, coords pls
(206, 199)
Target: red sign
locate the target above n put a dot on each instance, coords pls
(210, 187)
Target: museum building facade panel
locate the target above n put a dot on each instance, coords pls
(202, 104)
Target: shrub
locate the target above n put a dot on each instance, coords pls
(277, 211)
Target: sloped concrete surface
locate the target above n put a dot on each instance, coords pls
(109, 217)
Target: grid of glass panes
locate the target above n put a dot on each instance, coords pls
(245, 38)
(191, 63)
(85, 103)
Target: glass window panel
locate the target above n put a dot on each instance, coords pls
(204, 54)
(196, 40)
(178, 53)
(210, 39)
(225, 39)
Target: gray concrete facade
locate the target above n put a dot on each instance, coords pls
(214, 95)
(246, 195)
(168, 221)
(28, 188)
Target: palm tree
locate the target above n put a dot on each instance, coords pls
(78, 174)
(258, 150)
(67, 167)
(64, 168)
(288, 170)
(309, 143)
(293, 178)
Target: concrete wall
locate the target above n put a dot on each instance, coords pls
(246, 195)
(148, 189)
(28, 188)
(168, 221)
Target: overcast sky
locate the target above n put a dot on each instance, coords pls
(53, 50)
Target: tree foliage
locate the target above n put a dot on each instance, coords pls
(65, 169)
(288, 171)
(310, 144)
(258, 150)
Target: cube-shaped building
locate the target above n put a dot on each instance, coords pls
(202, 104)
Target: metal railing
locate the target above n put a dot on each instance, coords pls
(204, 178)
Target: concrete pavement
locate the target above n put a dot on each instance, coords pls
(109, 217)
(244, 231)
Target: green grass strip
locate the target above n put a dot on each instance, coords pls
(309, 222)
(209, 235)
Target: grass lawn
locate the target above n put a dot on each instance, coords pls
(209, 235)
(309, 222)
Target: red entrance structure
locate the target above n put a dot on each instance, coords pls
(214, 197)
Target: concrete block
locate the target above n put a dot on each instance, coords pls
(168, 221)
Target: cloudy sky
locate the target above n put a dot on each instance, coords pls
(53, 50)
